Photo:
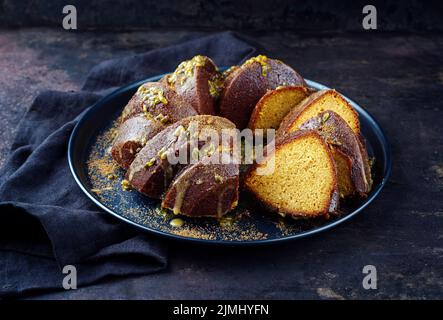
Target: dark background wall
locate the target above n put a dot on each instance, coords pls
(258, 15)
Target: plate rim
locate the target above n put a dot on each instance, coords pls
(83, 117)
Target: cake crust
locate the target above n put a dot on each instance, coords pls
(316, 103)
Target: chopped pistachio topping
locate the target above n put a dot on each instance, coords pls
(147, 114)
(151, 95)
(162, 212)
(126, 186)
(218, 178)
(226, 221)
(161, 151)
(176, 222)
(210, 150)
(263, 61)
(186, 69)
(164, 155)
(150, 163)
(195, 154)
(228, 71)
(215, 85)
(163, 119)
(180, 129)
(325, 117)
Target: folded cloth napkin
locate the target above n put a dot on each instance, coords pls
(46, 221)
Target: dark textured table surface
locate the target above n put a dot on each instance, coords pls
(397, 77)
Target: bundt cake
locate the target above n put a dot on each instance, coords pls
(274, 105)
(169, 138)
(316, 103)
(159, 101)
(244, 86)
(304, 180)
(198, 82)
(204, 189)
(339, 135)
(132, 136)
(151, 172)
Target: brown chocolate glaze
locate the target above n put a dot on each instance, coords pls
(132, 136)
(194, 89)
(153, 179)
(244, 87)
(175, 109)
(204, 189)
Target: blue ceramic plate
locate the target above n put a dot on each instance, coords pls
(91, 165)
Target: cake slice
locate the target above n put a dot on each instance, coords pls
(132, 136)
(339, 135)
(159, 101)
(316, 103)
(304, 180)
(198, 82)
(244, 86)
(274, 105)
(204, 189)
(151, 171)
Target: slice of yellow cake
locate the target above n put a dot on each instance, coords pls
(304, 180)
(275, 105)
(316, 103)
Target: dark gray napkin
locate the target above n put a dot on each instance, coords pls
(46, 221)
